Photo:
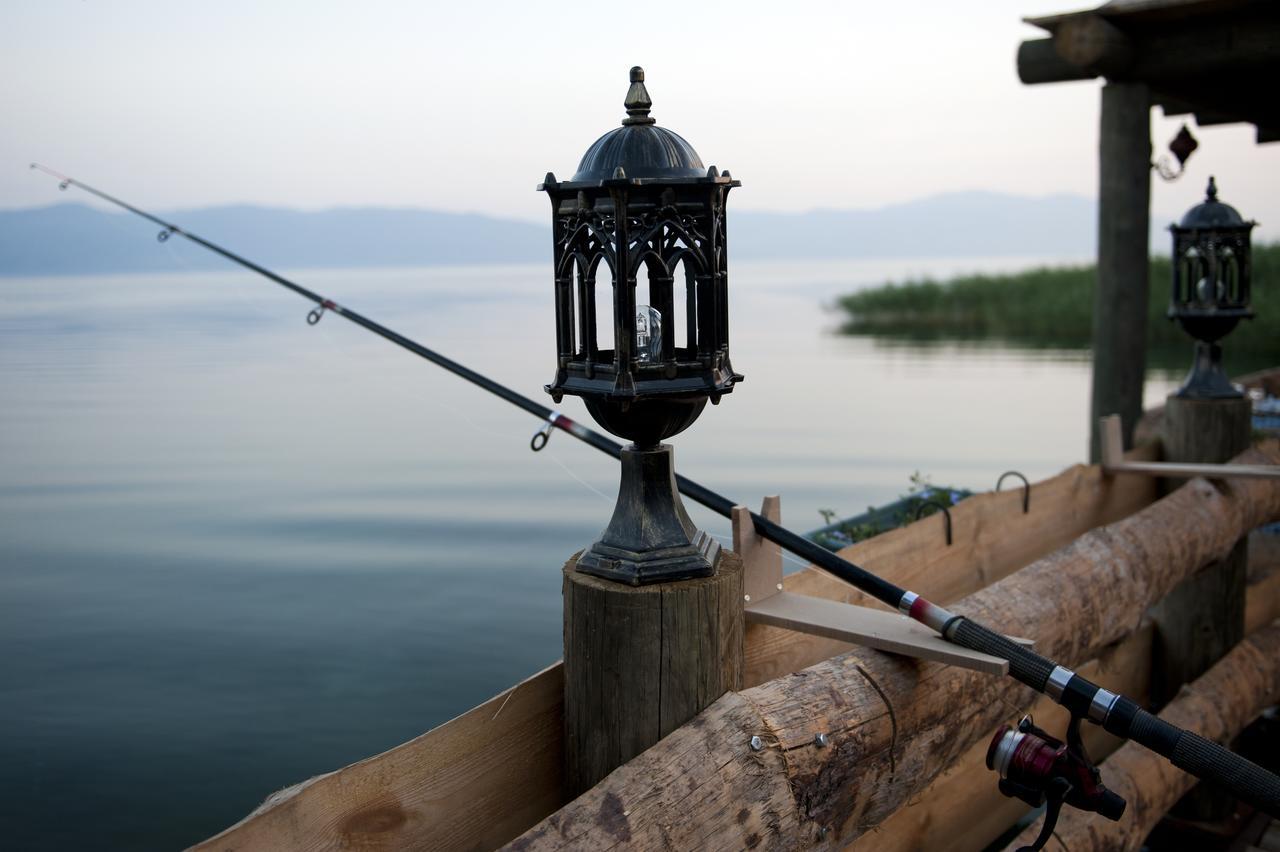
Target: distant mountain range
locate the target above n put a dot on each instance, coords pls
(77, 239)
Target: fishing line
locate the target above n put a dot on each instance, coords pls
(1084, 699)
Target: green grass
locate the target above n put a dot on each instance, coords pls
(1052, 307)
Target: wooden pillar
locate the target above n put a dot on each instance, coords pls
(1120, 293)
(1203, 618)
(640, 661)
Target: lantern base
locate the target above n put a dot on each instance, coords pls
(1207, 379)
(650, 538)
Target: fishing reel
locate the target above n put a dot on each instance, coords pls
(1042, 770)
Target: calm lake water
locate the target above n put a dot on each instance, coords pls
(237, 551)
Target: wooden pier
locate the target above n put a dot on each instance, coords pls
(829, 745)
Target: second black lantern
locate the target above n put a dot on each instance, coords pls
(1210, 295)
(642, 325)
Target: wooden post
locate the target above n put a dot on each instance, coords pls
(640, 661)
(1203, 618)
(1120, 293)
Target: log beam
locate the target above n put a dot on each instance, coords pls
(890, 726)
(1094, 44)
(1088, 45)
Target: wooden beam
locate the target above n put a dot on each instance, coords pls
(1094, 44)
(1039, 62)
(1171, 105)
(1088, 44)
(1120, 290)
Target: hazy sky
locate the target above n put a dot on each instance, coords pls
(465, 106)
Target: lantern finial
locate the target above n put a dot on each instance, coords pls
(637, 102)
(1211, 194)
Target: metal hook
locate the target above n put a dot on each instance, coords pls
(1026, 488)
(164, 235)
(946, 515)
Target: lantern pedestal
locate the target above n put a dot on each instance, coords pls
(650, 538)
(640, 661)
(1203, 618)
(1207, 379)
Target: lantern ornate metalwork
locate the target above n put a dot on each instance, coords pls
(642, 325)
(1211, 278)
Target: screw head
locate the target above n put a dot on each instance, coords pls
(756, 743)
(821, 740)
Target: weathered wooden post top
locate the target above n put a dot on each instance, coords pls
(653, 609)
(1210, 295)
(642, 325)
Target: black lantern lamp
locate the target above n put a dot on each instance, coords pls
(643, 213)
(1210, 288)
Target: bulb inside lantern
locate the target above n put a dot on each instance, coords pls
(648, 335)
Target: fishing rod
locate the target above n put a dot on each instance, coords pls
(1071, 778)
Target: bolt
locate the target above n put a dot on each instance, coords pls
(823, 832)
(821, 740)
(756, 743)
(747, 598)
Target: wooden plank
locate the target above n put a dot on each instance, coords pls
(761, 558)
(872, 628)
(1175, 470)
(472, 783)
(1110, 435)
(992, 538)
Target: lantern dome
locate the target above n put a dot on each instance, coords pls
(639, 147)
(1212, 213)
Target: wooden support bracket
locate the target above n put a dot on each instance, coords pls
(1112, 443)
(767, 603)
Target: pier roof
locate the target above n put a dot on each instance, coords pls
(1216, 59)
